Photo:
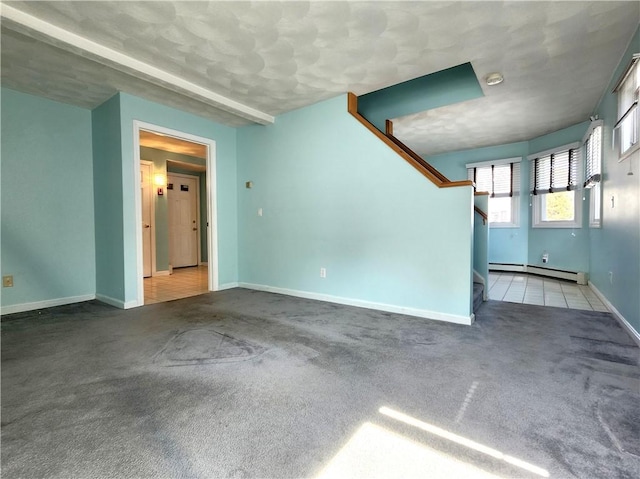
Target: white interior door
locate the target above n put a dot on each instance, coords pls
(182, 195)
(146, 185)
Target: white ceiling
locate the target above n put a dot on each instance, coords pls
(556, 57)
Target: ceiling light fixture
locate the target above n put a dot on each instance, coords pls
(494, 79)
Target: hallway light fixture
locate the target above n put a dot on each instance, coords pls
(494, 79)
(160, 180)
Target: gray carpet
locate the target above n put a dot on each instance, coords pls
(250, 384)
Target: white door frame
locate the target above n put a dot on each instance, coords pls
(212, 211)
(152, 220)
(198, 225)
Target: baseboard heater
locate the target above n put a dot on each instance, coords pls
(578, 277)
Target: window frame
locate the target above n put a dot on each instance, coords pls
(515, 198)
(632, 71)
(595, 183)
(536, 200)
(593, 207)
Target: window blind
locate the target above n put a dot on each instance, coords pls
(555, 172)
(593, 158)
(500, 181)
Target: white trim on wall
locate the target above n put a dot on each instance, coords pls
(635, 335)
(390, 308)
(49, 303)
(34, 27)
(212, 210)
(118, 303)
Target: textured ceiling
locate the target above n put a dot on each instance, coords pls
(557, 57)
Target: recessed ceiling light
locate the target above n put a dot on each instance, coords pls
(494, 79)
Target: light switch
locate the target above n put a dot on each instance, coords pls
(259, 211)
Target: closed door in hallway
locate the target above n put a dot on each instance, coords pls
(182, 195)
(146, 186)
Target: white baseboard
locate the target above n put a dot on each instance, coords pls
(621, 319)
(161, 273)
(49, 303)
(222, 287)
(118, 303)
(421, 313)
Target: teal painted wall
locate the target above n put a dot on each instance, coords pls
(107, 180)
(159, 159)
(445, 87)
(481, 233)
(47, 200)
(507, 245)
(131, 108)
(568, 248)
(353, 207)
(616, 246)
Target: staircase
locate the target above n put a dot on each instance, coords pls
(478, 292)
(439, 180)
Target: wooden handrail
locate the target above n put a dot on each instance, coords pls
(417, 162)
(481, 193)
(485, 217)
(413, 154)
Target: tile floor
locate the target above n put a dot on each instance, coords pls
(182, 283)
(530, 289)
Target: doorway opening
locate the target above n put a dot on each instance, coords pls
(177, 232)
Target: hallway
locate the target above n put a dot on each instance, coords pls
(184, 282)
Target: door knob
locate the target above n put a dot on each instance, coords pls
(147, 225)
(195, 229)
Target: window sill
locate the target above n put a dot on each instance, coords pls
(557, 224)
(503, 225)
(633, 149)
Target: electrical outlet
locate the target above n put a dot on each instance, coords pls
(7, 281)
(611, 277)
(323, 272)
(259, 211)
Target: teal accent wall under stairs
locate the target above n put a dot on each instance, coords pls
(445, 87)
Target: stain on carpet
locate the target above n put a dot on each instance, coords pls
(605, 350)
(205, 346)
(619, 415)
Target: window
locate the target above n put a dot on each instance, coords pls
(501, 179)
(554, 179)
(593, 171)
(627, 128)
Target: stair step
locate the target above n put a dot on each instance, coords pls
(478, 290)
